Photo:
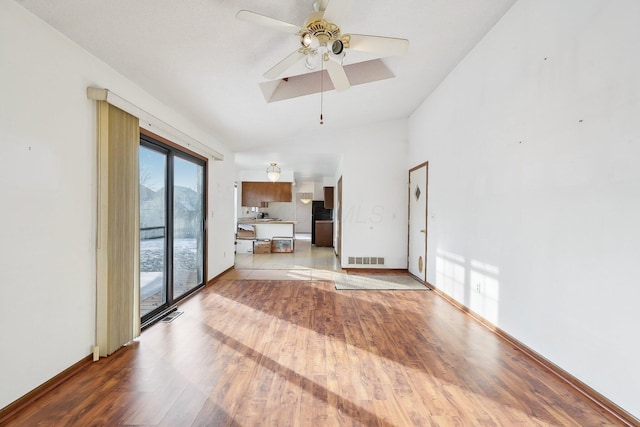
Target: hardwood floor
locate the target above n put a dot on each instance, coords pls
(258, 348)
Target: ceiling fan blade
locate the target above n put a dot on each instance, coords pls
(337, 10)
(338, 75)
(266, 21)
(275, 71)
(388, 46)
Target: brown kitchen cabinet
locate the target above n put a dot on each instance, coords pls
(324, 233)
(255, 193)
(328, 197)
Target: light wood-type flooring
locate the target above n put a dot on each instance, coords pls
(273, 343)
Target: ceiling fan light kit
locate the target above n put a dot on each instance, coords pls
(321, 38)
(311, 62)
(337, 47)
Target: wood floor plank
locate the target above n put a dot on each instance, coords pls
(299, 353)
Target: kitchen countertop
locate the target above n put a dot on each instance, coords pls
(268, 229)
(264, 221)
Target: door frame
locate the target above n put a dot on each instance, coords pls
(338, 219)
(426, 218)
(174, 150)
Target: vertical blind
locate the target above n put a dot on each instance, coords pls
(118, 245)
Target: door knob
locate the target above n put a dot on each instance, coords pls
(423, 231)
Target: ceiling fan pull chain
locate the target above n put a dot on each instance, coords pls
(321, 88)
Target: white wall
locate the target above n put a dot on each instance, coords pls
(48, 187)
(374, 194)
(222, 218)
(303, 211)
(533, 145)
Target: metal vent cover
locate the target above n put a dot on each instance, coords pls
(366, 260)
(171, 316)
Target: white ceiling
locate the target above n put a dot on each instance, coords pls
(195, 56)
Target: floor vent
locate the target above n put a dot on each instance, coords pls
(366, 260)
(171, 316)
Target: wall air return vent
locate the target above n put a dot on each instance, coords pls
(366, 260)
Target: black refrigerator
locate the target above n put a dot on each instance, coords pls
(319, 213)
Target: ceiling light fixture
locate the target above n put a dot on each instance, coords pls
(337, 47)
(306, 40)
(273, 172)
(306, 198)
(311, 62)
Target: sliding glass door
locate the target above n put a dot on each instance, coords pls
(153, 229)
(188, 225)
(172, 226)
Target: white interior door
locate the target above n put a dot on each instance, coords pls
(418, 221)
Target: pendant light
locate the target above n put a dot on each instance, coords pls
(306, 198)
(273, 172)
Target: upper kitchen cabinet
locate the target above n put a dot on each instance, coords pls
(328, 197)
(281, 191)
(254, 193)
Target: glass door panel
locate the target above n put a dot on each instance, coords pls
(172, 232)
(153, 230)
(188, 225)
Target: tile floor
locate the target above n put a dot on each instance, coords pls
(306, 262)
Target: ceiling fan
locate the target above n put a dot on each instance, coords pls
(323, 42)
